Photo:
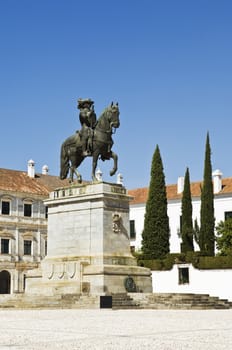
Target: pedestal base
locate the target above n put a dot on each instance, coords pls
(109, 279)
(88, 244)
(79, 276)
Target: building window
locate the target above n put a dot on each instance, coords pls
(228, 215)
(5, 246)
(183, 275)
(27, 247)
(5, 207)
(132, 229)
(24, 282)
(46, 247)
(27, 209)
(132, 249)
(46, 212)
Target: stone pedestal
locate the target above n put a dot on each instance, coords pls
(88, 242)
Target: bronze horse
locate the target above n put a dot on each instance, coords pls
(71, 150)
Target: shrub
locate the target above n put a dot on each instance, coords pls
(194, 258)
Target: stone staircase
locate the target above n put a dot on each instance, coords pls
(119, 301)
(65, 301)
(124, 301)
(180, 301)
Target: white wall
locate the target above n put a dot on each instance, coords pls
(174, 212)
(137, 213)
(222, 204)
(212, 282)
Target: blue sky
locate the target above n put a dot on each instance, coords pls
(168, 63)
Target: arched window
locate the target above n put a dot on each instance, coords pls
(4, 282)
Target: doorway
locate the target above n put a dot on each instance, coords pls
(4, 282)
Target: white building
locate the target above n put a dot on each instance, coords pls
(23, 229)
(222, 208)
(184, 278)
(23, 223)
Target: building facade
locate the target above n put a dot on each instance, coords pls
(222, 208)
(23, 223)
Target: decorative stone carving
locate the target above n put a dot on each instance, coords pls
(117, 221)
(71, 270)
(130, 284)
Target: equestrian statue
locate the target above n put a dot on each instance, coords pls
(93, 140)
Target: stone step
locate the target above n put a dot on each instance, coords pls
(119, 301)
(123, 301)
(40, 302)
(185, 301)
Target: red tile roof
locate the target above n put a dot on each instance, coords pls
(19, 181)
(140, 194)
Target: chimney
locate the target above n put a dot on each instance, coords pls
(119, 179)
(45, 170)
(31, 168)
(180, 184)
(217, 181)
(99, 175)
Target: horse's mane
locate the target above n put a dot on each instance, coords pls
(106, 111)
(103, 114)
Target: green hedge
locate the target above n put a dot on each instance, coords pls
(217, 262)
(158, 264)
(198, 261)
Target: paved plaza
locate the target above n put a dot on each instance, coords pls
(122, 329)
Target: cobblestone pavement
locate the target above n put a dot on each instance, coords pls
(121, 329)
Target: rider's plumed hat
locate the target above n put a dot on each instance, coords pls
(84, 101)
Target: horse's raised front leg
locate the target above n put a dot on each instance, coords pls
(115, 158)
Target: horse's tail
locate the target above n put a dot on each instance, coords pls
(64, 163)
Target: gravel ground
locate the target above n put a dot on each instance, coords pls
(121, 329)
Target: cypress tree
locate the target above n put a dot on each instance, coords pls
(155, 236)
(207, 236)
(187, 222)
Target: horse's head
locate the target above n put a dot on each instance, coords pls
(109, 119)
(114, 115)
